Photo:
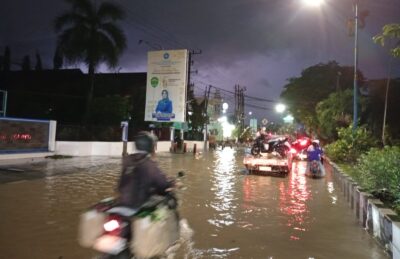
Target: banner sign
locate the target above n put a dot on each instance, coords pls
(19, 135)
(166, 85)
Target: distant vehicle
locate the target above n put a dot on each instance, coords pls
(269, 163)
(299, 148)
(270, 144)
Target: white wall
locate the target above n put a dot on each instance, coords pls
(81, 148)
(52, 135)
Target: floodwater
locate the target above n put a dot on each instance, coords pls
(230, 214)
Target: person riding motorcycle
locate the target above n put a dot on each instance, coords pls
(315, 153)
(141, 178)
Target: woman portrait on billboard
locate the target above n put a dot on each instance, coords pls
(165, 104)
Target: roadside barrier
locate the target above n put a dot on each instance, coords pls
(380, 222)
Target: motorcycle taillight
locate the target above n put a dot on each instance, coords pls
(303, 142)
(111, 225)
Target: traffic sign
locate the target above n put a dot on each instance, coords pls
(264, 121)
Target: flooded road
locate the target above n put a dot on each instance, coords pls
(232, 214)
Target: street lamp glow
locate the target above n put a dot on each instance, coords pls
(313, 2)
(280, 107)
(223, 119)
(225, 106)
(227, 128)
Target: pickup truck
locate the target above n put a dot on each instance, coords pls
(268, 163)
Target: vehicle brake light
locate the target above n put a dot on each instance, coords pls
(111, 225)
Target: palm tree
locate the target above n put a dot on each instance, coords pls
(88, 33)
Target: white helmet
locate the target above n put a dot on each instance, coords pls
(316, 141)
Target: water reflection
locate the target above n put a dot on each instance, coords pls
(232, 215)
(293, 198)
(223, 181)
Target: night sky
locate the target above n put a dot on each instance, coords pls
(255, 43)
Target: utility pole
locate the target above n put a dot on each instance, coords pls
(242, 108)
(189, 84)
(355, 90)
(206, 97)
(190, 63)
(239, 106)
(386, 100)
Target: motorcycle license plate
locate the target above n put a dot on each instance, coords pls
(110, 244)
(265, 168)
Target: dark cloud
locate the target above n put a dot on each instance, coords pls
(255, 43)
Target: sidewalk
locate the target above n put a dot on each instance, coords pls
(23, 158)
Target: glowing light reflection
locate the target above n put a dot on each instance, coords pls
(292, 200)
(223, 188)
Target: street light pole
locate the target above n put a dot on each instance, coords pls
(355, 104)
(386, 98)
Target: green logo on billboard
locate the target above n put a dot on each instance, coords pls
(154, 82)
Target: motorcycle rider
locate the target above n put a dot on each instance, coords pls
(315, 153)
(141, 177)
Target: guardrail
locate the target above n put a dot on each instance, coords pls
(381, 222)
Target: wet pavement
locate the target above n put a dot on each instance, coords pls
(231, 214)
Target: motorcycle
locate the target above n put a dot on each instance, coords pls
(279, 145)
(120, 232)
(315, 169)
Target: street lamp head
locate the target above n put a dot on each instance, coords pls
(225, 106)
(313, 2)
(280, 107)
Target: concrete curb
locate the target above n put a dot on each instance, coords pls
(380, 222)
(21, 158)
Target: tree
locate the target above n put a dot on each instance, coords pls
(88, 33)
(38, 66)
(26, 63)
(57, 60)
(335, 112)
(315, 84)
(197, 118)
(7, 59)
(390, 31)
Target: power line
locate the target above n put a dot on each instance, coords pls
(246, 96)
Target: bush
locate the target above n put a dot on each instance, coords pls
(379, 172)
(350, 146)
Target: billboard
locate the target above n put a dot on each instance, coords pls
(167, 72)
(23, 135)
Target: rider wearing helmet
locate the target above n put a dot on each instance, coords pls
(315, 152)
(141, 178)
